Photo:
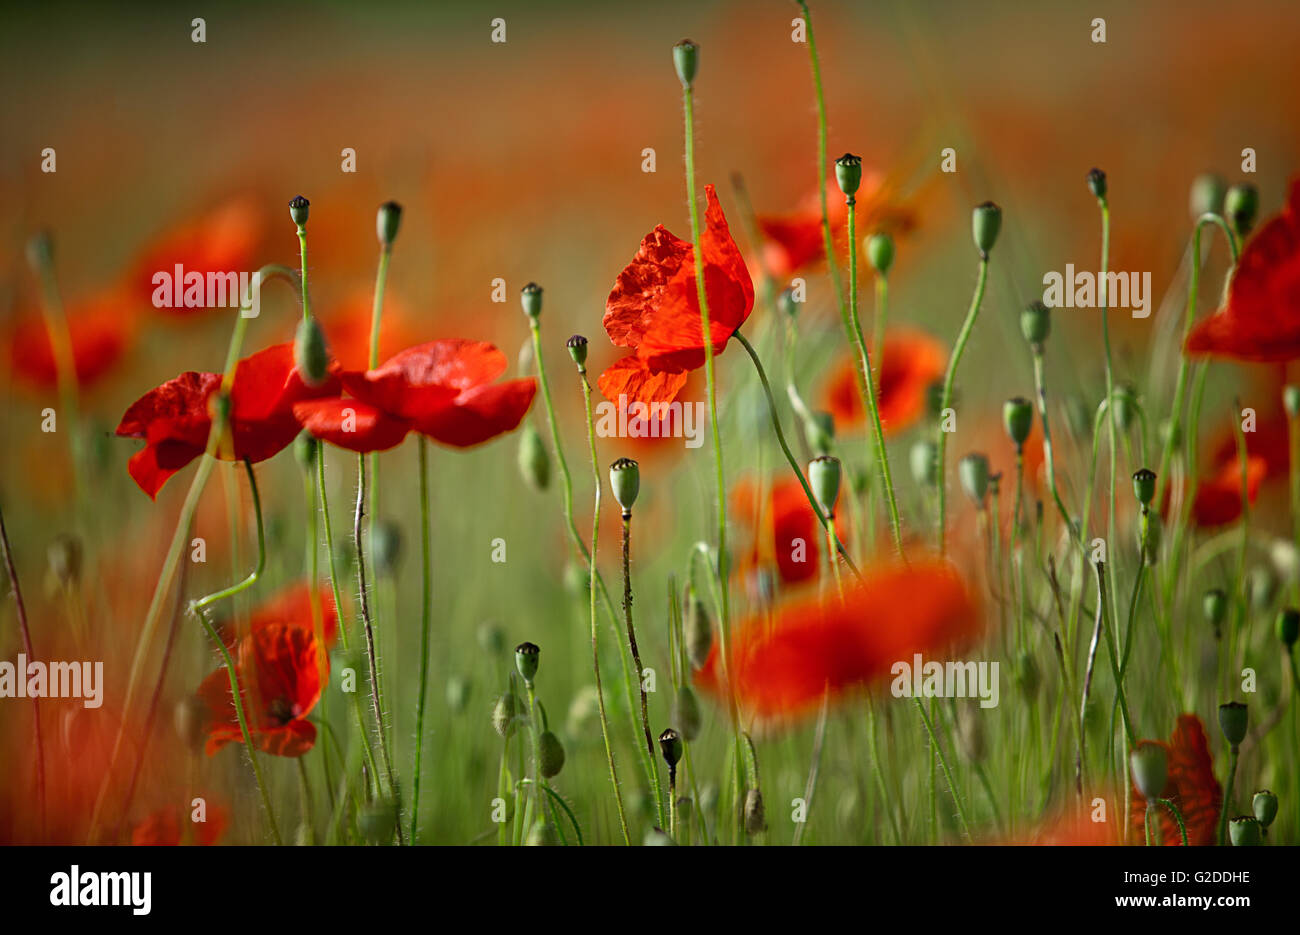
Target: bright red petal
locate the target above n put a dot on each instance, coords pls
(1191, 786)
(1218, 498)
(351, 424)
(481, 413)
(629, 380)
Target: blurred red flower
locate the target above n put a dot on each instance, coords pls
(100, 330)
(654, 309)
(1191, 786)
(796, 534)
(442, 389)
(163, 828)
(781, 669)
(291, 606)
(1218, 497)
(174, 418)
(910, 363)
(281, 670)
(1261, 320)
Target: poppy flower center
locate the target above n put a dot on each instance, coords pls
(280, 711)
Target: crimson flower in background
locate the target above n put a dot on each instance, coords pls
(910, 363)
(291, 606)
(281, 670)
(654, 309)
(1191, 786)
(1218, 497)
(164, 827)
(1069, 829)
(100, 330)
(174, 419)
(442, 389)
(1261, 320)
(781, 669)
(791, 528)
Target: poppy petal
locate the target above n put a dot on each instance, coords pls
(480, 413)
(351, 424)
(630, 380)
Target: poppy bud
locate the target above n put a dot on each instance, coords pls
(576, 579)
(491, 638)
(304, 450)
(309, 353)
(1125, 401)
(527, 658)
(686, 59)
(848, 172)
(1287, 626)
(458, 690)
(377, 821)
(1215, 607)
(1036, 323)
(1291, 399)
(880, 252)
(1144, 485)
(785, 301)
(670, 745)
(1264, 805)
(64, 556)
(504, 712)
(824, 478)
(386, 547)
(387, 222)
(189, 718)
(974, 473)
(1150, 769)
(924, 461)
(1263, 587)
(550, 754)
(755, 817)
(1018, 419)
(1244, 831)
(657, 837)
(577, 346)
(530, 297)
(534, 462)
(1241, 206)
(698, 630)
(934, 399)
(40, 250)
(686, 712)
(1233, 720)
(1097, 183)
(543, 834)
(298, 210)
(1206, 196)
(820, 432)
(625, 481)
(986, 222)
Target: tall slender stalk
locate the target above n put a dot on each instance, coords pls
(949, 380)
(636, 657)
(26, 632)
(426, 618)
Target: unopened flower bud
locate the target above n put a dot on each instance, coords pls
(657, 837)
(1233, 720)
(785, 301)
(1263, 587)
(670, 745)
(577, 346)
(698, 630)
(386, 547)
(504, 713)
(824, 478)
(1264, 805)
(1036, 323)
(1097, 183)
(1241, 207)
(298, 210)
(1018, 419)
(40, 250)
(530, 297)
(686, 59)
(625, 481)
(534, 462)
(880, 252)
(527, 658)
(491, 638)
(820, 432)
(310, 355)
(986, 223)
(1291, 400)
(848, 173)
(1215, 607)
(304, 450)
(1206, 195)
(543, 834)
(973, 470)
(1125, 402)
(550, 753)
(1144, 485)
(458, 692)
(387, 222)
(1150, 769)
(924, 462)
(1287, 626)
(755, 816)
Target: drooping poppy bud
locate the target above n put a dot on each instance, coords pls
(534, 462)
(1144, 485)
(670, 745)
(543, 834)
(657, 837)
(1125, 403)
(504, 712)
(1287, 626)
(1018, 419)
(304, 450)
(550, 753)
(1233, 720)
(1264, 805)
(973, 470)
(530, 297)
(491, 638)
(458, 692)
(1263, 587)
(755, 815)
(387, 221)
(298, 210)
(1206, 196)
(880, 252)
(625, 481)
(698, 630)
(310, 355)
(1244, 831)
(1150, 769)
(1036, 323)
(820, 432)
(848, 173)
(1241, 206)
(527, 658)
(824, 478)
(577, 346)
(1097, 183)
(986, 223)
(1215, 607)
(924, 462)
(686, 59)
(1291, 400)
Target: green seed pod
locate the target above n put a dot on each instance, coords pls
(577, 346)
(458, 691)
(973, 470)
(377, 821)
(625, 481)
(755, 816)
(310, 355)
(304, 450)
(1287, 626)
(550, 754)
(924, 461)
(530, 298)
(1263, 588)
(1097, 183)
(1036, 323)
(686, 712)
(491, 638)
(1264, 805)
(386, 547)
(698, 630)
(1233, 721)
(527, 658)
(1125, 402)
(388, 220)
(1144, 485)
(848, 173)
(670, 745)
(1150, 769)
(1245, 831)
(986, 223)
(1215, 607)
(1291, 400)
(534, 462)
(786, 303)
(686, 59)
(504, 713)
(1018, 419)
(1206, 195)
(298, 210)
(1241, 207)
(824, 478)
(543, 834)
(820, 432)
(64, 555)
(880, 252)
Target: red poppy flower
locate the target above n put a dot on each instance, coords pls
(100, 331)
(1218, 497)
(912, 361)
(1070, 829)
(222, 241)
(281, 671)
(1261, 319)
(654, 309)
(290, 606)
(1191, 786)
(174, 418)
(780, 670)
(797, 535)
(163, 828)
(442, 389)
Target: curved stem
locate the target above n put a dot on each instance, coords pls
(426, 616)
(1178, 817)
(205, 602)
(26, 633)
(636, 659)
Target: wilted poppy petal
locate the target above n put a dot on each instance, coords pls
(629, 378)
(481, 413)
(351, 424)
